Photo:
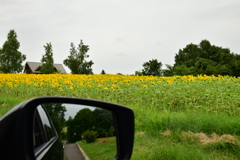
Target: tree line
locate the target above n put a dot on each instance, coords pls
(194, 59)
(99, 121)
(11, 58)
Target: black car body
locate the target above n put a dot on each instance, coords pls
(27, 132)
(45, 142)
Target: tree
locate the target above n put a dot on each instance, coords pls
(138, 73)
(76, 61)
(153, 67)
(98, 120)
(103, 72)
(83, 121)
(10, 58)
(47, 60)
(168, 71)
(103, 122)
(206, 59)
(182, 70)
(187, 56)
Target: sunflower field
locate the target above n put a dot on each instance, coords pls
(209, 93)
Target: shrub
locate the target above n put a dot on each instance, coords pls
(90, 136)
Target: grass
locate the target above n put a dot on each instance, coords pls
(175, 117)
(8, 102)
(103, 148)
(179, 145)
(208, 123)
(160, 135)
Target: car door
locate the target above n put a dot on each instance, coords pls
(46, 142)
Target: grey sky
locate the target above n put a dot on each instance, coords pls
(122, 35)
(72, 109)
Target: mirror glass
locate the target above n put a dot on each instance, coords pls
(91, 128)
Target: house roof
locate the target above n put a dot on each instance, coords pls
(34, 66)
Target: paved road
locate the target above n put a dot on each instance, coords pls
(72, 152)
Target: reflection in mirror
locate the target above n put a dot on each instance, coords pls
(91, 127)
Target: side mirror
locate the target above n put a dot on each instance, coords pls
(21, 133)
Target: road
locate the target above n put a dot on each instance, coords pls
(72, 152)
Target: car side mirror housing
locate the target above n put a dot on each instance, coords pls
(17, 127)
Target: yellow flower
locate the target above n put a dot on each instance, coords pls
(67, 82)
(10, 84)
(105, 88)
(55, 85)
(169, 81)
(60, 89)
(144, 86)
(113, 86)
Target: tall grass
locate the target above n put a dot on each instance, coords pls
(154, 122)
(171, 148)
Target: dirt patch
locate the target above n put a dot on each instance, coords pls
(166, 133)
(205, 139)
(140, 133)
(103, 141)
(214, 138)
(191, 137)
(3, 105)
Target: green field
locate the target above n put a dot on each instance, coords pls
(103, 148)
(175, 118)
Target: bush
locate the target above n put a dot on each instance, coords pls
(90, 136)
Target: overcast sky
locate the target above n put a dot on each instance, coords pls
(122, 34)
(72, 109)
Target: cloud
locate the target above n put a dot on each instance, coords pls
(119, 39)
(120, 54)
(221, 12)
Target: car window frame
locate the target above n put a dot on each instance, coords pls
(43, 148)
(39, 128)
